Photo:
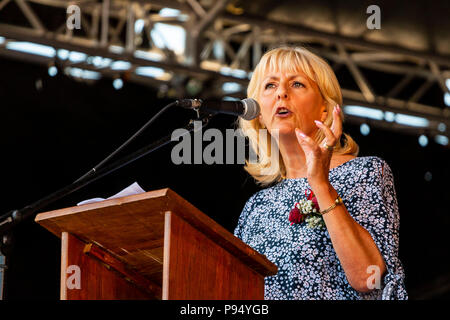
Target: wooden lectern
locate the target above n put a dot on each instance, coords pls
(153, 245)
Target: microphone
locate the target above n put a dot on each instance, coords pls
(247, 109)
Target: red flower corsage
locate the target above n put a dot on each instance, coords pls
(307, 210)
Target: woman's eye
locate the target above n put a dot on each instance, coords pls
(269, 85)
(298, 84)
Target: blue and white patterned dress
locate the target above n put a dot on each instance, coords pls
(308, 267)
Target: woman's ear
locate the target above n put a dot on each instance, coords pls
(324, 114)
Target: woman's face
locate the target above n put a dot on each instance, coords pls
(289, 101)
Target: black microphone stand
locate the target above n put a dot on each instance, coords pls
(14, 217)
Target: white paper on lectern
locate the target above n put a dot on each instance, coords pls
(134, 188)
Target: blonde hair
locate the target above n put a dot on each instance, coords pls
(291, 59)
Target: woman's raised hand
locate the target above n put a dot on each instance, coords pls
(318, 157)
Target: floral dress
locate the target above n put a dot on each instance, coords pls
(308, 267)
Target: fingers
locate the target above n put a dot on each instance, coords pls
(334, 133)
(331, 134)
(336, 127)
(306, 142)
(330, 139)
(303, 137)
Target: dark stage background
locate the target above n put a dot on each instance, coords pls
(53, 135)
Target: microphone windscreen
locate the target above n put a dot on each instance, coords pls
(252, 109)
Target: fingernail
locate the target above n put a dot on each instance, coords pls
(301, 133)
(318, 122)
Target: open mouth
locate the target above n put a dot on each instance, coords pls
(282, 112)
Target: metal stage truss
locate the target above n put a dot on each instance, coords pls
(223, 43)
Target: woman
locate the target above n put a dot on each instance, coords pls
(330, 223)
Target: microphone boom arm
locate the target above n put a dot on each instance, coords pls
(13, 217)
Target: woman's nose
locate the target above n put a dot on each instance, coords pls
(282, 93)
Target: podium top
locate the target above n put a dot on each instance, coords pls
(132, 229)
